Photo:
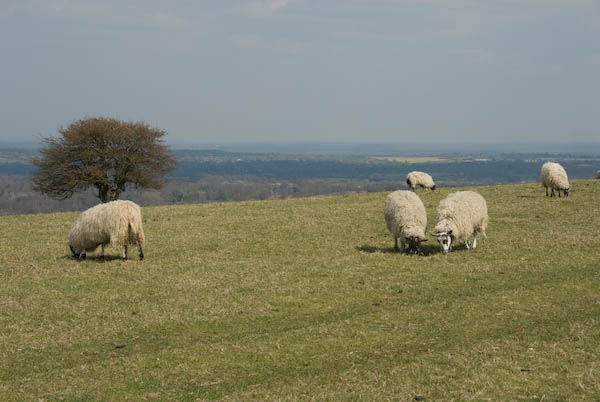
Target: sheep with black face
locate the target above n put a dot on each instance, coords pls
(406, 219)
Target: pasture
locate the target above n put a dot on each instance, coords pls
(305, 300)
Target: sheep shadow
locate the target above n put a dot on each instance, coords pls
(93, 258)
(426, 249)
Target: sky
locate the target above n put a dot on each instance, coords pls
(305, 70)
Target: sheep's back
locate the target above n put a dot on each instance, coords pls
(554, 176)
(117, 222)
(420, 178)
(124, 222)
(405, 209)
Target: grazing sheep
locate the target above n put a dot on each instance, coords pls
(598, 174)
(422, 179)
(406, 219)
(460, 217)
(555, 177)
(117, 222)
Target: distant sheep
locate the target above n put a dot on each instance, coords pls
(460, 217)
(422, 179)
(118, 223)
(555, 178)
(598, 174)
(406, 219)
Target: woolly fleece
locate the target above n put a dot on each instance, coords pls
(117, 222)
(405, 215)
(422, 179)
(554, 177)
(464, 213)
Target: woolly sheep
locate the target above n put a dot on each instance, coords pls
(555, 178)
(460, 217)
(422, 179)
(598, 174)
(118, 223)
(406, 219)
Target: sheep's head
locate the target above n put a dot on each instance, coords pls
(76, 253)
(433, 188)
(445, 240)
(414, 242)
(566, 191)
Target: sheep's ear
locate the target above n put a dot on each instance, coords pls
(449, 232)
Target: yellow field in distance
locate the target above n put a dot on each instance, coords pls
(411, 159)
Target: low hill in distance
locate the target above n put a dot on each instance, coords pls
(305, 299)
(218, 175)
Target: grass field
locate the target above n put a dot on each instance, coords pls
(305, 300)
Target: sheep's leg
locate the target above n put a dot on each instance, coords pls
(82, 255)
(552, 193)
(546, 191)
(124, 256)
(102, 252)
(474, 242)
(140, 252)
(468, 244)
(558, 192)
(402, 245)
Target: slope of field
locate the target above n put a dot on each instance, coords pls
(305, 300)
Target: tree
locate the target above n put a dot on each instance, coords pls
(104, 153)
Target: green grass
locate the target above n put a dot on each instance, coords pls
(305, 300)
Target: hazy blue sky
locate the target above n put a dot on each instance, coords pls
(329, 70)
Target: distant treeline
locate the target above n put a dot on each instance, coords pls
(476, 172)
(208, 176)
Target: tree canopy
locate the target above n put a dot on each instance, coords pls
(103, 153)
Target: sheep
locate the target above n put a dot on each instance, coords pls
(117, 222)
(598, 175)
(406, 219)
(555, 178)
(460, 217)
(422, 179)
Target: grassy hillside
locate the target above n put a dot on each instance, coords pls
(305, 300)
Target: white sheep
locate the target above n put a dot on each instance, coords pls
(422, 179)
(555, 178)
(118, 223)
(460, 217)
(406, 219)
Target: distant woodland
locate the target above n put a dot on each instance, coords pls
(219, 176)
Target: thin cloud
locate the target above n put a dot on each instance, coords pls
(262, 8)
(122, 13)
(257, 42)
(479, 56)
